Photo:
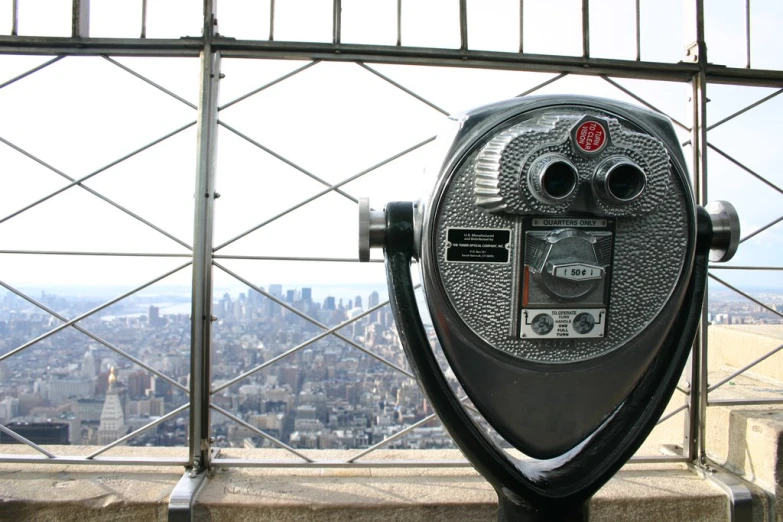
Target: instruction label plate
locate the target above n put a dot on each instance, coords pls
(541, 323)
(477, 245)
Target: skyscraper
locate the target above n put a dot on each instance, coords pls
(112, 425)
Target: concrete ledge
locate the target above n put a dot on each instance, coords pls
(86, 493)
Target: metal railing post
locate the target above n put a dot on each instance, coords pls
(697, 371)
(201, 307)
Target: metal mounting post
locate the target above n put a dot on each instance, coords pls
(201, 310)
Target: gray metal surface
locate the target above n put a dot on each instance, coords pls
(481, 293)
(183, 496)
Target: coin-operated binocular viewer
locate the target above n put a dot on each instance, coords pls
(564, 263)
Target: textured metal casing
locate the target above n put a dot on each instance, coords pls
(570, 386)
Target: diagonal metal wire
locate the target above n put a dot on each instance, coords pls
(284, 258)
(744, 110)
(300, 346)
(745, 168)
(315, 322)
(746, 296)
(762, 229)
(85, 253)
(326, 191)
(263, 434)
(268, 85)
(23, 440)
(403, 89)
(671, 414)
(31, 71)
(91, 312)
(745, 368)
(284, 159)
(150, 82)
(644, 102)
(164, 418)
(79, 181)
(543, 84)
(399, 434)
(95, 337)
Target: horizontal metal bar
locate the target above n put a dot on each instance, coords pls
(721, 267)
(744, 402)
(404, 55)
(232, 48)
(85, 253)
(107, 461)
(397, 463)
(292, 258)
(656, 459)
(745, 368)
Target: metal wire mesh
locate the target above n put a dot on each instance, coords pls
(335, 43)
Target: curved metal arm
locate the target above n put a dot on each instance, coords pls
(557, 486)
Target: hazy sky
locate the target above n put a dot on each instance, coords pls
(333, 120)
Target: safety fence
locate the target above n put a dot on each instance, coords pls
(305, 129)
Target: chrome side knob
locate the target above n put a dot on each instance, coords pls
(725, 230)
(372, 229)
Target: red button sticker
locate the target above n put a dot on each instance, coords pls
(591, 136)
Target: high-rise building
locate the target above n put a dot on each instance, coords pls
(154, 318)
(357, 301)
(276, 290)
(373, 300)
(329, 303)
(112, 425)
(307, 295)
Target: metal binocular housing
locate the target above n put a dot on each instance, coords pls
(564, 264)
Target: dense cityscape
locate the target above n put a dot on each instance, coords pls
(325, 394)
(269, 380)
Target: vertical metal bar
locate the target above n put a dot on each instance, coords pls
(337, 14)
(80, 21)
(201, 306)
(698, 370)
(143, 18)
(521, 26)
(747, 34)
(638, 31)
(586, 28)
(271, 20)
(399, 22)
(463, 25)
(15, 18)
